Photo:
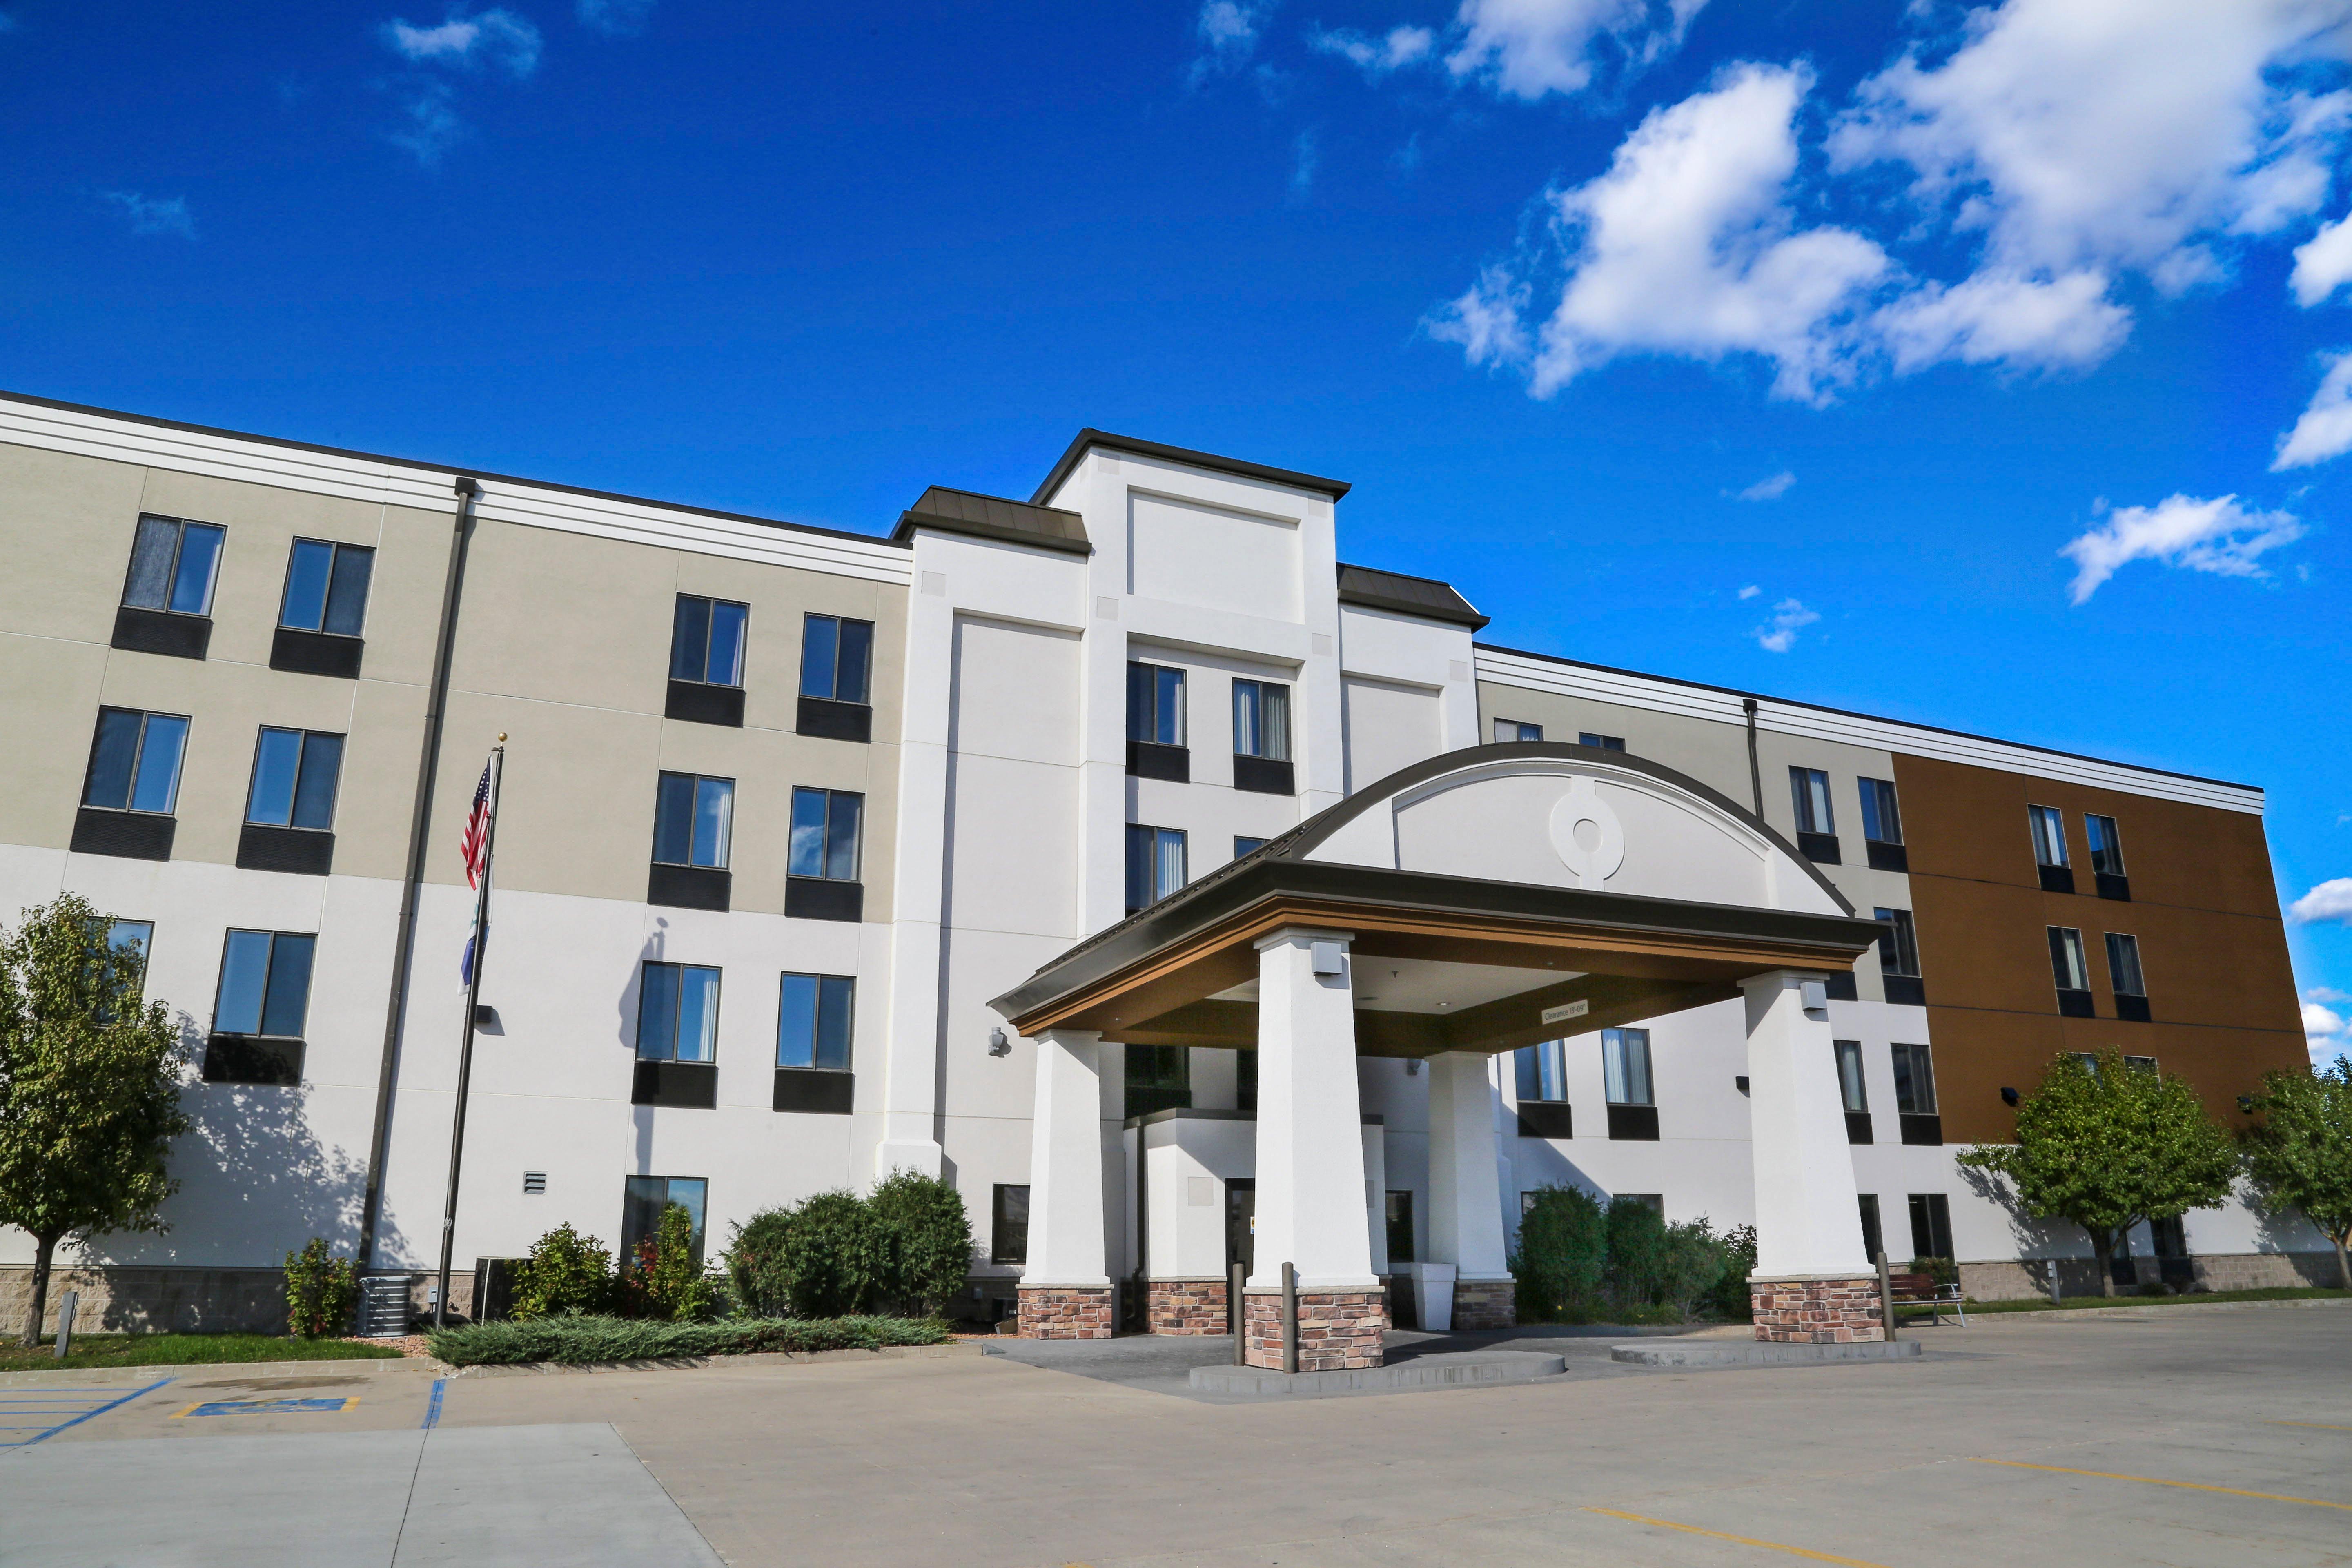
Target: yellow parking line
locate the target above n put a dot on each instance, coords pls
(1741, 1539)
(2315, 1426)
(2157, 1481)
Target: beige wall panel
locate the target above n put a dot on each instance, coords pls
(1714, 754)
(263, 523)
(378, 799)
(576, 815)
(766, 766)
(48, 712)
(780, 599)
(562, 617)
(404, 619)
(66, 527)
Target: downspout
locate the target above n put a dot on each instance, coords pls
(428, 765)
(1755, 772)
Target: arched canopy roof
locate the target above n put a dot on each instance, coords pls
(1496, 884)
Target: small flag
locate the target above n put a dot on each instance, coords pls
(466, 965)
(476, 842)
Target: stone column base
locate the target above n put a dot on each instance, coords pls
(1836, 1310)
(1066, 1312)
(1486, 1303)
(1338, 1331)
(1185, 1307)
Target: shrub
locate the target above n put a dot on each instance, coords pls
(566, 1272)
(1942, 1270)
(833, 1255)
(924, 1240)
(1729, 1299)
(1637, 1254)
(580, 1341)
(757, 1267)
(320, 1290)
(667, 1281)
(1692, 1260)
(1562, 1252)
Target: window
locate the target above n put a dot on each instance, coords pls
(1155, 704)
(1811, 789)
(678, 1014)
(694, 820)
(2141, 1065)
(1654, 1202)
(1881, 822)
(2123, 966)
(295, 774)
(1605, 742)
(127, 944)
(265, 984)
(1872, 1242)
(1155, 864)
(706, 641)
(1898, 959)
(2049, 827)
(134, 762)
(1399, 1218)
(1931, 1225)
(1244, 845)
(1008, 1224)
(1543, 1070)
(648, 1197)
(836, 659)
(825, 828)
(327, 588)
(1914, 1081)
(1626, 1066)
(813, 1021)
(2107, 845)
(1159, 1077)
(173, 566)
(1851, 1086)
(1260, 720)
(1508, 731)
(2068, 971)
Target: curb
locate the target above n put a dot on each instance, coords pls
(1523, 1367)
(373, 1366)
(2144, 1314)
(757, 1358)
(1727, 1352)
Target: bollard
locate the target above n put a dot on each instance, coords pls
(1236, 1310)
(1290, 1317)
(66, 1305)
(1885, 1296)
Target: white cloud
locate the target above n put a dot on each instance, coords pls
(2331, 900)
(498, 38)
(2324, 428)
(2327, 994)
(1306, 157)
(1771, 489)
(1525, 48)
(1228, 31)
(2218, 536)
(1686, 245)
(1486, 321)
(1750, 591)
(1779, 635)
(152, 214)
(432, 126)
(2326, 1034)
(613, 18)
(1376, 56)
(2323, 264)
(2007, 318)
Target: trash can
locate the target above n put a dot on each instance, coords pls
(1433, 1295)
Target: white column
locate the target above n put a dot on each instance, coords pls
(1808, 1223)
(1466, 1199)
(1310, 1152)
(1067, 1239)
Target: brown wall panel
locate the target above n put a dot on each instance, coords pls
(1965, 822)
(1976, 1054)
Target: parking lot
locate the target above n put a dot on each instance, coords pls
(2201, 1437)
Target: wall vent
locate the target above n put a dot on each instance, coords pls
(534, 1182)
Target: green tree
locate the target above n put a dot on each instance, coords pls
(89, 1095)
(833, 1253)
(2300, 1155)
(566, 1272)
(320, 1290)
(1562, 1252)
(2105, 1146)
(925, 1242)
(668, 1279)
(756, 1264)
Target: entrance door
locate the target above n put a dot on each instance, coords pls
(1241, 1223)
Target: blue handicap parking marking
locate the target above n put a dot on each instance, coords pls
(266, 1407)
(30, 1415)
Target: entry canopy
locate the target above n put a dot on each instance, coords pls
(1489, 892)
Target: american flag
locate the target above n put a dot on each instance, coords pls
(476, 841)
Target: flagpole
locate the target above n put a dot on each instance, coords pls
(466, 1051)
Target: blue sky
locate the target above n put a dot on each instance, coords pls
(1613, 310)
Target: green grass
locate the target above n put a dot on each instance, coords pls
(169, 1350)
(2075, 1303)
(580, 1341)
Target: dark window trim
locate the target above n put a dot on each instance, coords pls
(269, 1060)
(301, 851)
(682, 1086)
(131, 835)
(331, 654)
(1887, 857)
(1150, 760)
(1904, 990)
(1635, 1123)
(701, 702)
(691, 887)
(2056, 878)
(824, 898)
(2132, 1009)
(820, 1091)
(1820, 848)
(827, 718)
(2076, 1004)
(166, 632)
(1857, 1127)
(1918, 1127)
(1260, 775)
(2109, 885)
(1548, 1118)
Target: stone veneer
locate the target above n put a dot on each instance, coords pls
(1338, 1331)
(137, 1297)
(1065, 1311)
(1486, 1303)
(1838, 1311)
(1185, 1307)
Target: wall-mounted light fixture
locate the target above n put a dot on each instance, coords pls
(2008, 1095)
(1740, 1083)
(1413, 1066)
(2246, 1104)
(998, 1046)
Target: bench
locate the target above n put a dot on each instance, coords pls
(1920, 1293)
